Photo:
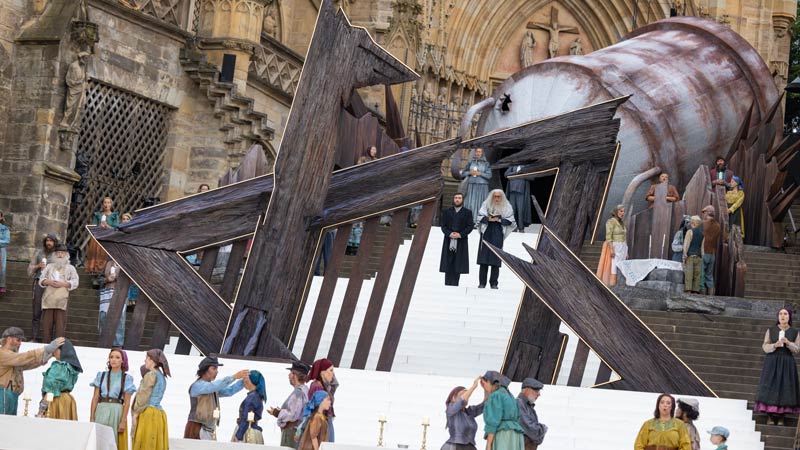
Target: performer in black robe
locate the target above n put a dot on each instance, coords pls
(495, 222)
(456, 225)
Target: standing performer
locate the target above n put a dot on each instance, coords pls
(323, 379)
(95, 259)
(35, 269)
(58, 279)
(779, 388)
(519, 195)
(496, 222)
(456, 225)
(734, 198)
(5, 240)
(59, 380)
(248, 431)
(13, 363)
(290, 413)
(476, 180)
(528, 419)
(111, 401)
(204, 396)
(150, 431)
(615, 247)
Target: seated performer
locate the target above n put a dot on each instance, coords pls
(59, 379)
(204, 396)
(247, 430)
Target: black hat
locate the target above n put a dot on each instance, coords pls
(14, 332)
(209, 361)
(532, 383)
(61, 248)
(300, 367)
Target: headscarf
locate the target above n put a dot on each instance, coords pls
(124, 367)
(314, 403)
(160, 359)
(318, 367)
(778, 322)
(258, 380)
(482, 158)
(492, 376)
(69, 356)
(738, 182)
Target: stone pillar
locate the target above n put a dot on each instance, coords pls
(232, 27)
(782, 18)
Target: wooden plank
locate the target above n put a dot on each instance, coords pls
(378, 293)
(403, 300)
(134, 332)
(351, 295)
(184, 346)
(660, 238)
(325, 296)
(603, 374)
(114, 314)
(208, 262)
(612, 331)
(235, 263)
(578, 365)
(160, 332)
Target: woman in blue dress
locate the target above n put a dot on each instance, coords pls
(111, 401)
(246, 431)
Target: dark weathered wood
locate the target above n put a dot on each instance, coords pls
(325, 296)
(160, 332)
(602, 320)
(378, 293)
(603, 374)
(183, 347)
(351, 295)
(197, 311)
(114, 314)
(403, 300)
(660, 237)
(134, 332)
(208, 262)
(235, 263)
(578, 365)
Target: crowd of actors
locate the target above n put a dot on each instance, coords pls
(305, 417)
(696, 241)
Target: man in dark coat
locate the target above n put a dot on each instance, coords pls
(456, 225)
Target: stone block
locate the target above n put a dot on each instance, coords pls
(672, 276)
(123, 63)
(696, 304)
(665, 286)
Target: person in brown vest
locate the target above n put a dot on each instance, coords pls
(204, 397)
(711, 231)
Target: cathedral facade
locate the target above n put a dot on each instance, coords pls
(145, 100)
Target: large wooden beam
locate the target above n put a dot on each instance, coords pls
(114, 314)
(602, 320)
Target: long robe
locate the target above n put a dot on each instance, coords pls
(476, 187)
(459, 222)
(494, 233)
(518, 192)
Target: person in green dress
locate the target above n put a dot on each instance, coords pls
(59, 380)
(501, 427)
(111, 401)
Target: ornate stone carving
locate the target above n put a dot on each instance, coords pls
(276, 67)
(76, 92)
(577, 47)
(554, 29)
(174, 12)
(526, 49)
(271, 22)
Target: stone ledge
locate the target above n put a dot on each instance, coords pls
(59, 173)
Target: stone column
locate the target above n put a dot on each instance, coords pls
(782, 18)
(232, 27)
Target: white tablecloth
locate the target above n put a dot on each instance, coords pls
(191, 444)
(636, 270)
(30, 433)
(335, 446)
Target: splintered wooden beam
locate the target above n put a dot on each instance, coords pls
(340, 58)
(602, 320)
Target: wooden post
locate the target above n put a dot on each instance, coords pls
(235, 263)
(133, 335)
(160, 332)
(603, 374)
(114, 314)
(403, 301)
(578, 365)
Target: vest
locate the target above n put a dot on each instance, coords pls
(201, 408)
(696, 245)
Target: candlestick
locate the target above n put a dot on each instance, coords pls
(425, 432)
(426, 420)
(49, 399)
(27, 399)
(215, 414)
(251, 416)
(382, 420)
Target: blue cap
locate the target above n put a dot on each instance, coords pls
(722, 431)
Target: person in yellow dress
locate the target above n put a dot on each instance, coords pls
(150, 420)
(734, 199)
(663, 431)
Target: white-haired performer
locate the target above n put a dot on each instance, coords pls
(495, 222)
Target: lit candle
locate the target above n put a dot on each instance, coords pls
(251, 416)
(216, 413)
(426, 421)
(27, 396)
(382, 418)
(49, 397)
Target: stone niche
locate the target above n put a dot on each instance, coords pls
(510, 59)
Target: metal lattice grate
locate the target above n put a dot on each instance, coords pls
(120, 154)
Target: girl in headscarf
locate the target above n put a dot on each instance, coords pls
(323, 379)
(501, 427)
(247, 432)
(476, 181)
(778, 389)
(59, 379)
(734, 198)
(111, 401)
(461, 423)
(495, 222)
(316, 421)
(150, 430)
(615, 247)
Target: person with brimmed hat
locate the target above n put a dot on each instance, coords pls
(290, 414)
(58, 279)
(688, 411)
(204, 396)
(35, 269)
(528, 419)
(500, 415)
(13, 363)
(719, 437)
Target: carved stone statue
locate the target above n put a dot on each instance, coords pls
(526, 49)
(76, 92)
(271, 23)
(576, 48)
(554, 29)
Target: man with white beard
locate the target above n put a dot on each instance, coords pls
(528, 419)
(58, 278)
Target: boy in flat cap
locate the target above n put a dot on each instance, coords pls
(290, 414)
(528, 419)
(13, 363)
(204, 397)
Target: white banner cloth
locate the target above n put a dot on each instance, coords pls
(636, 270)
